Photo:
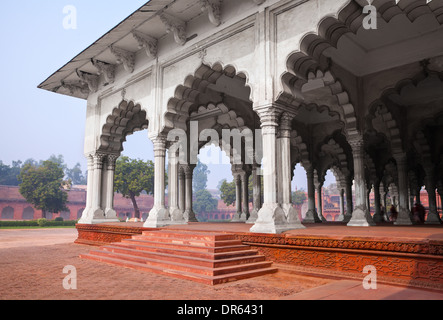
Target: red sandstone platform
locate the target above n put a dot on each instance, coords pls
(404, 255)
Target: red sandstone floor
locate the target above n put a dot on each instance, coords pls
(32, 262)
(336, 230)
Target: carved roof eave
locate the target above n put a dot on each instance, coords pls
(54, 82)
(143, 16)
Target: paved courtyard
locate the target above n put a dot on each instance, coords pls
(32, 262)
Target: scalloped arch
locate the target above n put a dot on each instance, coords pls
(124, 120)
(187, 94)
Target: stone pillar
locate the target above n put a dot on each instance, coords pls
(159, 215)
(404, 215)
(360, 216)
(173, 188)
(349, 199)
(87, 213)
(320, 202)
(110, 173)
(311, 214)
(189, 214)
(181, 189)
(377, 200)
(271, 217)
(342, 205)
(245, 195)
(98, 213)
(238, 197)
(285, 179)
(256, 190)
(433, 216)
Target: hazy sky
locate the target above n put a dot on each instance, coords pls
(35, 123)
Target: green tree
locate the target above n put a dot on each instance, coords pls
(299, 197)
(43, 186)
(200, 177)
(132, 177)
(9, 174)
(204, 203)
(227, 190)
(76, 175)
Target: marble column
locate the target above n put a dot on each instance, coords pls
(342, 205)
(181, 189)
(109, 193)
(360, 216)
(293, 222)
(189, 214)
(271, 217)
(173, 188)
(349, 199)
(97, 210)
(320, 202)
(87, 215)
(245, 195)
(238, 197)
(311, 214)
(377, 200)
(433, 216)
(404, 215)
(159, 215)
(256, 190)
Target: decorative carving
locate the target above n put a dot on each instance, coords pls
(258, 2)
(105, 69)
(176, 26)
(76, 88)
(124, 57)
(149, 43)
(90, 79)
(214, 10)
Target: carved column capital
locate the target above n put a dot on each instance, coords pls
(111, 160)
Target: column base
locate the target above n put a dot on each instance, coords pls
(312, 217)
(253, 217)
(361, 218)
(293, 222)
(377, 217)
(111, 214)
(189, 216)
(158, 217)
(404, 218)
(239, 217)
(271, 219)
(95, 217)
(433, 218)
(176, 216)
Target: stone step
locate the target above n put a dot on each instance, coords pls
(193, 268)
(219, 249)
(179, 257)
(198, 235)
(189, 241)
(200, 278)
(204, 257)
(238, 252)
